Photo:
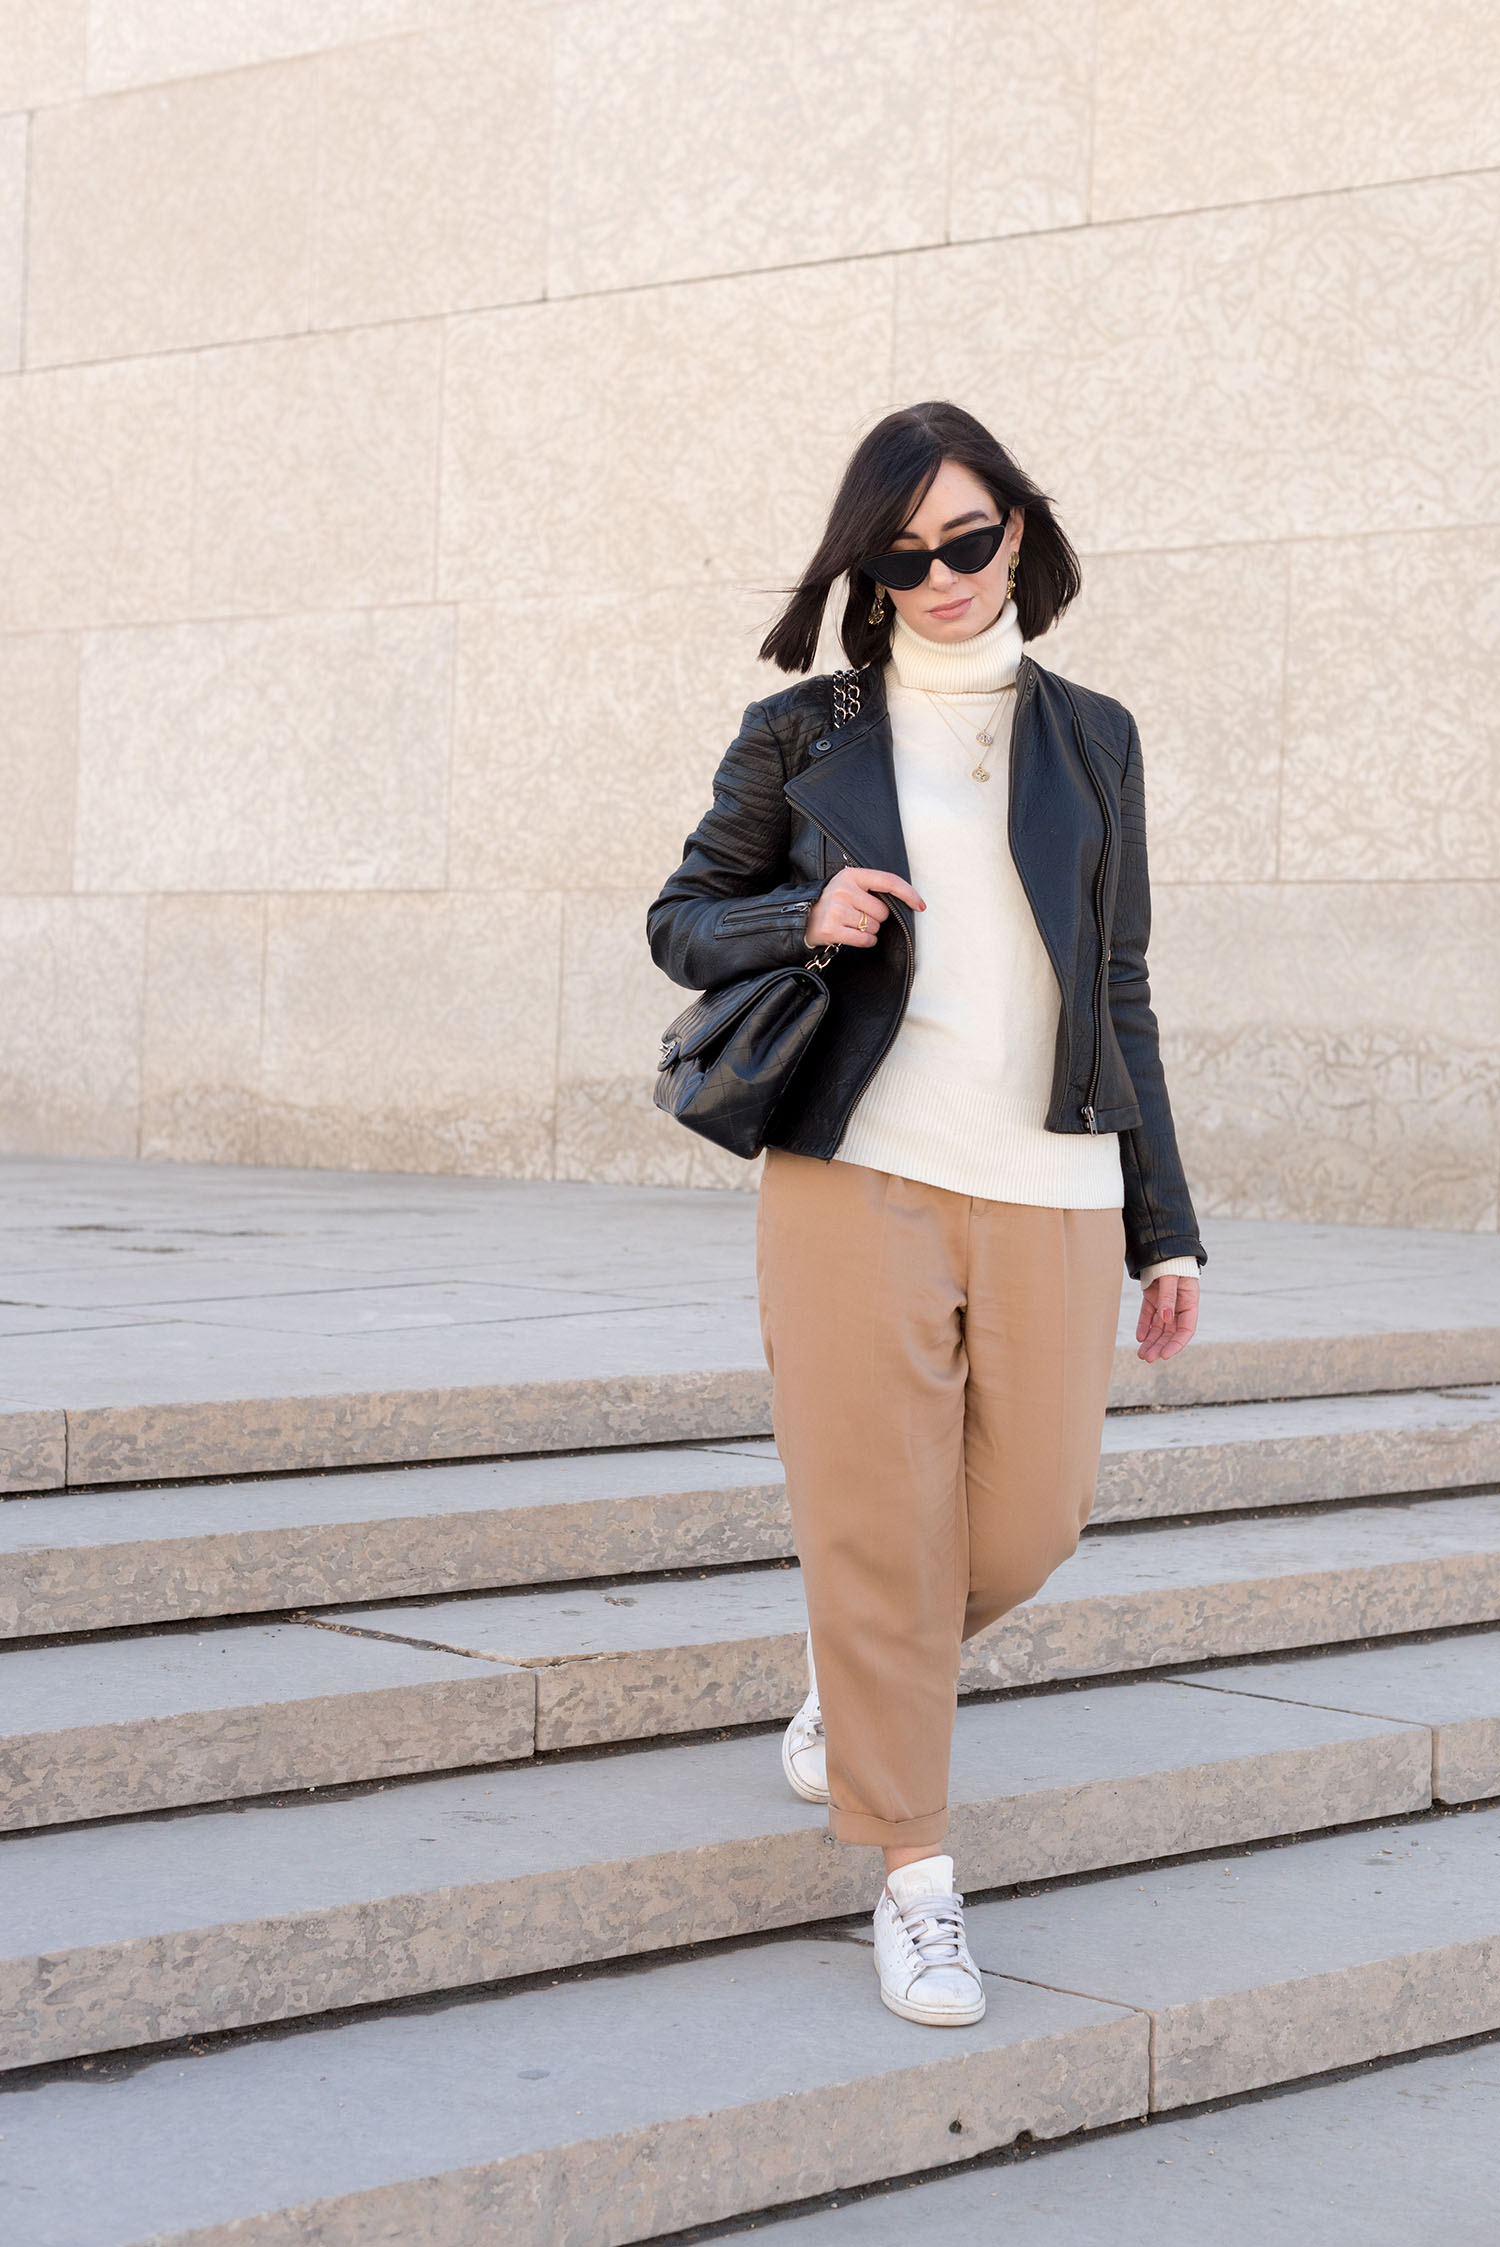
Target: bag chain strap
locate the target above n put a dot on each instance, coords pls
(845, 697)
(845, 708)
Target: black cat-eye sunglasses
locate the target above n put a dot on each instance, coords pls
(966, 556)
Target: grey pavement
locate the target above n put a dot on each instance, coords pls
(125, 1281)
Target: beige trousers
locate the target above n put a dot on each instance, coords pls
(940, 1369)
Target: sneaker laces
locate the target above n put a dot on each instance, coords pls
(934, 1926)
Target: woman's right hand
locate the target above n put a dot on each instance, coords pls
(852, 907)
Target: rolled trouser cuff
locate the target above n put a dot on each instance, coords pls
(888, 1833)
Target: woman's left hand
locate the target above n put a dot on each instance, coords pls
(1169, 1315)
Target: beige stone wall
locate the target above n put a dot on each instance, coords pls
(408, 408)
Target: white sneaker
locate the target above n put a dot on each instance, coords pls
(804, 1751)
(926, 1973)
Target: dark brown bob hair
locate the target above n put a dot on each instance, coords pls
(889, 476)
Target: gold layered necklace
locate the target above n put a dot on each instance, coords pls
(984, 737)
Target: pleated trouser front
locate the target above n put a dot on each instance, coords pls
(940, 1371)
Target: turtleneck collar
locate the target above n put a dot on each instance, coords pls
(981, 665)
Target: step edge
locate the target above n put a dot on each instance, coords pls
(179, 1439)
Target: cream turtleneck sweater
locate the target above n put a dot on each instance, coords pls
(961, 1097)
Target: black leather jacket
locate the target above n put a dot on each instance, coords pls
(794, 802)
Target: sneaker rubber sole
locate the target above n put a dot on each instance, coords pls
(928, 2018)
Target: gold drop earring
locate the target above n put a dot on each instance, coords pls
(1010, 582)
(877, 613)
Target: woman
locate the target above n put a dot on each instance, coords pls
(978, 1132)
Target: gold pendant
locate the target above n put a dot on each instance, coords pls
(985, 740)
(979, 773)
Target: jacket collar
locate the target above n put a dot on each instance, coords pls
(850, 790)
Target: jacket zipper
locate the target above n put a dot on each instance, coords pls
(736, 915)
(1101, 977)
(911, 962)
(1022, 693)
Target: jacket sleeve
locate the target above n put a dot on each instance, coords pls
(732, 907)
(1159, 1218)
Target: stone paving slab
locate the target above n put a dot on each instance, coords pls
(770, 2074)
(1404, 2157)
(120, 1558)
(1282, 1963)
(268, 1320)
(120, 1726)
(1452, 1686)
(116, 1558)
(82, 1231)
(145, 1930)
(635, 1661)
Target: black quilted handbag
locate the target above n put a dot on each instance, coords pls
(727, 1060)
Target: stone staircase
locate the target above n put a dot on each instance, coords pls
(401, 1853)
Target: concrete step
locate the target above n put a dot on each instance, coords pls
(1450, 1685)
(115, 1559)
(291, 1431)
(1389, 1940)
(606, 2110)
(162, 1433)
(641, 1660)
(773, 2074)
(1281, 1964)
(1398, 2158)
(114, 1726)
(1226, 1458)
(106, 1727)
(145, 1930)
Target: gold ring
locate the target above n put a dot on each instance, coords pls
(864, 922)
